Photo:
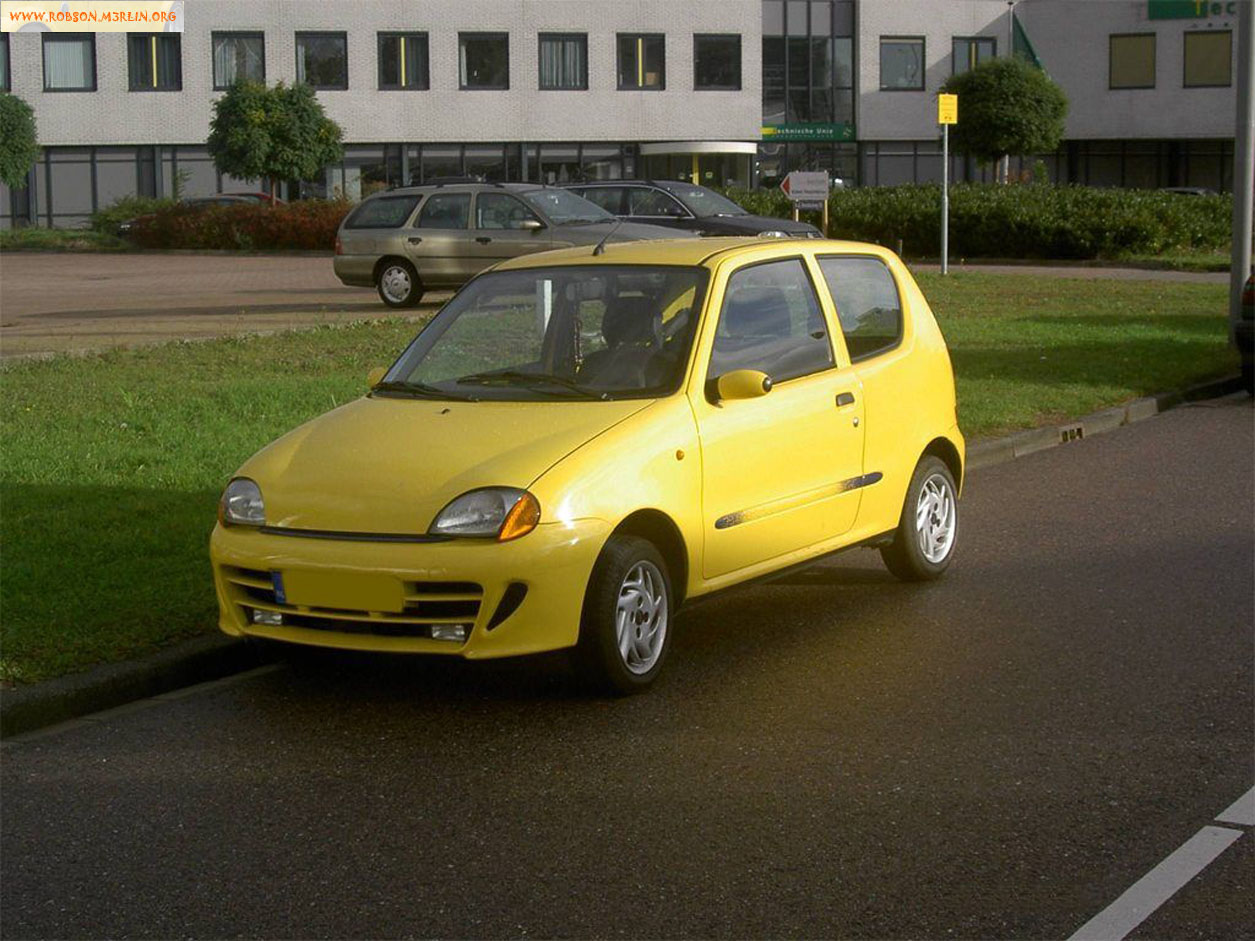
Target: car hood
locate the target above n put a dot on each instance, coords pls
(590, 233)
(389, 465)
(752, 225)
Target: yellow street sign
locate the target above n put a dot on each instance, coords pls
(947, 109)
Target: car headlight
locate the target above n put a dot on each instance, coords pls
(242, 504)
(502, 513)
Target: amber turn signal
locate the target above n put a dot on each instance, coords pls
(521, 519)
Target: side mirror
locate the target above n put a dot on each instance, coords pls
(531, 225)
(743, 384)
(375, 376)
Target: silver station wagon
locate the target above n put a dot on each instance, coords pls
(437, 237)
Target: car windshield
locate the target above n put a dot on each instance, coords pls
(703, 202)
(573, 333)
(563, 207)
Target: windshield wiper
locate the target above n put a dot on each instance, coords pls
(515, 377)
(420, 390)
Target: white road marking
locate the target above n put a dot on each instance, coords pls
(1157, 886)
(1241, 811)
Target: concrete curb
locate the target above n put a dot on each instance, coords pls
(209, 658)
(997, 450)
(199, 660)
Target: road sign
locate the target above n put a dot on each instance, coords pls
(806, 186)
(947, 109)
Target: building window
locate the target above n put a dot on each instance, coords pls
(642, 62)
(403, 62)
(238, 57)
(716, 63)
(154, 61)
(901, 63)
(5, 81)
(1209, 59)
(322, 59)
(69, 62)
(969, 52)
(1132, 61)
(564, 61)
(484, 60)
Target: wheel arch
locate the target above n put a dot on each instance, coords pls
(944, 450)
(658, 528)
(385, 259)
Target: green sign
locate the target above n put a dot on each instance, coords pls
(1190, 9)
(839, 131)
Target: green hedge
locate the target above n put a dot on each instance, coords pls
(310, 224)
(1019, 221)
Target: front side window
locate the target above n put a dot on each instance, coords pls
(322, 59)
(501, 211)
(717, 63)
(1209, 59)
(966, 54)
(69, 62)
(238, 57)
(385, 212)
(1132, 61)
(642, 62)
(771, 321)
(446, 211)
(154, 61)
(563, 61)
(643, 201)
(403, 63)
(901, 63)
(484, 60)
(578, 333)
(868, 305)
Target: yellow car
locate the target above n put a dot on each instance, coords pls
(582, 440)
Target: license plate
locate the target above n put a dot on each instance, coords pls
(348, 591)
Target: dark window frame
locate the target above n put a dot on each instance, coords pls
(618, 64)
(54, 37)
(235, 34)
(321, 34)
(740, 62)
(923, 62)
(1154, 60)
(6, 80)
(897, 287)
(993, 40)
(540, 39)
(402, 34)
(178, 41)
(1185, 40)
(483, 34)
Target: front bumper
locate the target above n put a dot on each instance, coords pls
(462, 581)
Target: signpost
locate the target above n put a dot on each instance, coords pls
(947, 114)
(809, 190)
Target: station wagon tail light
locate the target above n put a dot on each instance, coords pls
(501, 513)
(241, 504)
(339, 246)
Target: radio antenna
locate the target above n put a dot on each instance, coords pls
(601, 246)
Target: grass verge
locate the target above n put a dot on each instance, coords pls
(60, 240)
(112, 464)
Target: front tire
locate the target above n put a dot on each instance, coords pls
(924, 542)
(625, 630)
(398, 283)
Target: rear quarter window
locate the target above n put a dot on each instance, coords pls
(869, 306)
(384, 212)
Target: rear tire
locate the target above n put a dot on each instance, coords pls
(398, 283)
(625, 629)
(924, 542)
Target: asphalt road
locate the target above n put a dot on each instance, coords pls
(1000, 754)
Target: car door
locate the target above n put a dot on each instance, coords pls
(439, 243)
(781, 471)
(504, 227)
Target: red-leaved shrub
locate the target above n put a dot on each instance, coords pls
(309, 225)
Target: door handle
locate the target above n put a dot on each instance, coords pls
(482, 239)
(414, 239)
(844, 399)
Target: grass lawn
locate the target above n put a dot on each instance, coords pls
(112, 464)
(60, 240)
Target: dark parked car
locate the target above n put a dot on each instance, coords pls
(686, 206)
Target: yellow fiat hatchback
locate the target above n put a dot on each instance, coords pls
(582, 440)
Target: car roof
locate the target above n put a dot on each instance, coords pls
(679, 251)
(461, 187)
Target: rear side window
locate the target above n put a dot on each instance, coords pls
(386, 212)
(771, 322)
(609, 198)
(868, 304)
(445, 211)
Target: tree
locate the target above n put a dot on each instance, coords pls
(1007, 106)
(275, 134)
(19, 147)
